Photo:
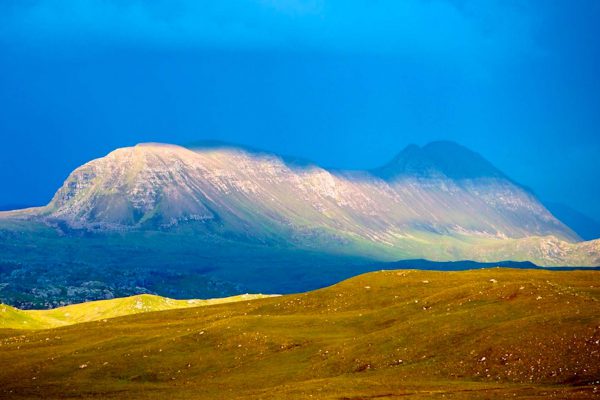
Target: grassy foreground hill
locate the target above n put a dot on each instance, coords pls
(14, 318)
(494, 333)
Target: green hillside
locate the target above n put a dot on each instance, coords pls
(485, 334)
(13, 318)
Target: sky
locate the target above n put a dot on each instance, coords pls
(345, 83)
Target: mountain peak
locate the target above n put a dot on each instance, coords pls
(141, 151)
(440, 159)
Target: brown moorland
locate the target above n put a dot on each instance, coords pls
(482, 334)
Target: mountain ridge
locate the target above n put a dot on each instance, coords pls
(131, 166)
(438, 159)
(422, 205)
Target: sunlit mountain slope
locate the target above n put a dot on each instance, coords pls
(441, 201)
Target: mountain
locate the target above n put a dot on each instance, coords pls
(494, 333)
(256, 195)
(207, 221)
(442, 159)
(586, 227)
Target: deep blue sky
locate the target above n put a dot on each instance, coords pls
(344, 83)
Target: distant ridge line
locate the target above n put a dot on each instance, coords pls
(464, 265)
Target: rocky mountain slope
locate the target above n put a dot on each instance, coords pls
(441, 201)
(162, 185)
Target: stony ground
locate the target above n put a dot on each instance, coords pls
(495, 333)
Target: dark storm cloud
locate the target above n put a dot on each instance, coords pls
(462, 31)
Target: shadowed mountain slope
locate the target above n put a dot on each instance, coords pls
(441, 159)
(586, 227)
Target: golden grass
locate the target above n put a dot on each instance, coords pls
(482, 334)
(12, 318)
